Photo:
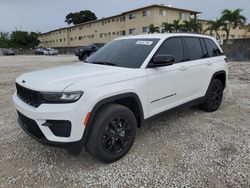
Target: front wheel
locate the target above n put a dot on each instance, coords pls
(112, 134)
(214, 96)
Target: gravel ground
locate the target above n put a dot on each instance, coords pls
(187, 148)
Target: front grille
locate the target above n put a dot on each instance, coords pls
(33, 98)
(30, 126)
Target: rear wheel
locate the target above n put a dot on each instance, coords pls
(112, 134)
(214, 96)
(85, 57)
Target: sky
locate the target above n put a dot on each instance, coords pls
(45, 15)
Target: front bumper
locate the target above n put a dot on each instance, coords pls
(33, 121)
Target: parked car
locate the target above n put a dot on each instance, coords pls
(52, 51)
(41, 51)
(8, 52)
(86, 51)
(100, 103)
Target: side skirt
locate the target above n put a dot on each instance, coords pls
(189, 104)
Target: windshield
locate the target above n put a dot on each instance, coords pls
(130, 53)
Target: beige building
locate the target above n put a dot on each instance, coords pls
(237, 33)
(103, 30)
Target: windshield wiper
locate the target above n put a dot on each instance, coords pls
(103, 63)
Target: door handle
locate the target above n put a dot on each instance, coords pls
(183, 68)
(209, 63)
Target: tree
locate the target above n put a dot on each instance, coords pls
(215, 26)
(167, 27)
(192, 26)
(4, 40)
(233, 18)
(176, 25)
(80, 17)
(153, 29)
(24, 39)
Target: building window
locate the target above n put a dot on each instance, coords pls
(182, 16)
(122, 19)
(132, 16)
(80, 37)
(163, 12)
(60, 40)
(146, 13)
(113, 20)
(64, 39)
(145, 29)
(71, 39)
(132, 31)
(122, 32)
(113, 33)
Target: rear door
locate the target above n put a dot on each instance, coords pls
(198, 66)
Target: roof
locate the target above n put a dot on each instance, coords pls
(123, 13)
(163, 36)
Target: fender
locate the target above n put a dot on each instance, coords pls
(101, 103)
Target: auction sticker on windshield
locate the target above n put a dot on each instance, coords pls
(148, 43)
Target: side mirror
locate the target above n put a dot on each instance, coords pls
(162, 60)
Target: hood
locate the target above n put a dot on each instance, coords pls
(59, 78)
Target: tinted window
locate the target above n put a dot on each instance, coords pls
(130, 53)
(212, 48)
(204, 49)
(174, 47)
(194, 50)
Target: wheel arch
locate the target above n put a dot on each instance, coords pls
(130, 100)
(220, 75)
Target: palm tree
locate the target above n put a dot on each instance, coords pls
(153, 29)
(215, 26)
(176, 25)
(167, 27)
(233, 18)
(192, 26)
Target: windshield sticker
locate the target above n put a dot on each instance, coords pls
(148, 43)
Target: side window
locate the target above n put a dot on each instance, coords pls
(194, 48)
(212, 48)
(174, 47)
(204, 49)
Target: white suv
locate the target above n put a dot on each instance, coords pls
(100, 103)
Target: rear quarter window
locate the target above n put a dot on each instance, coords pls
(212, 48)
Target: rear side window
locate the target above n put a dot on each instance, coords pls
(194, 48)
(174, 47)
(212, 48)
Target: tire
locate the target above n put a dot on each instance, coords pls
(214, 96)
(80, 58)
(112, 134)
(85, 57)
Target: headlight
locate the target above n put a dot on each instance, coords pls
(62, 97)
